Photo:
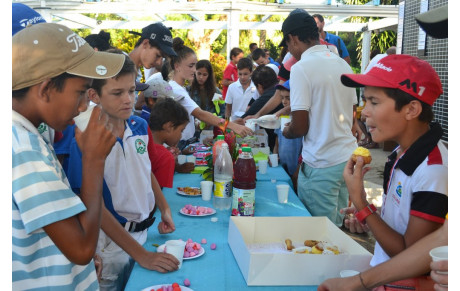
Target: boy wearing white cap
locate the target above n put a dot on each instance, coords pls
(54, 231)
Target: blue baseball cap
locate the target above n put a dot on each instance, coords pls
(24, 16)
(285, 86)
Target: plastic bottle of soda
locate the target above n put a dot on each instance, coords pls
(244, 184)
(223, 173)
(216, 148)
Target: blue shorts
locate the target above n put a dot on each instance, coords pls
(323, 191)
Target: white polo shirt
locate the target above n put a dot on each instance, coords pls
(127, 188)
(239, 98)
(416, 185)
(316, 88)
(189, 105)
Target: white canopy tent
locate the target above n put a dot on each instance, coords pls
(71, 13)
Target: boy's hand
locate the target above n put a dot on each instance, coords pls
(250, 117)
(351, 222)
(166, 224)
(160, 262)
(354, 178)
(439, 266)
(242, 130)
(97, 140)
(185, 167)
(98, 265)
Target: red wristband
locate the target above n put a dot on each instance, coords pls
(365, 212)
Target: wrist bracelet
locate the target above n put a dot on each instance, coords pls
(362, 282)
(365, 212)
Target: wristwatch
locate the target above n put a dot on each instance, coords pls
(365, 212)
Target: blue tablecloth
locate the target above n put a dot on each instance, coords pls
(216, 269)
(275, 173)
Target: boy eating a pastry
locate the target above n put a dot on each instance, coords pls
(399, 92)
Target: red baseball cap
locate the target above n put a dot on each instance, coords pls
(404, 72)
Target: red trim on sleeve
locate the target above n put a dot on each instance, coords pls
(427, 216)
(435, 158)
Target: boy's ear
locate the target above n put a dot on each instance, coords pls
(93, 96)
(44, 90)
(168, 127)
(413, 110)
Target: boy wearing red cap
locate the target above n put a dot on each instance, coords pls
(400, 90)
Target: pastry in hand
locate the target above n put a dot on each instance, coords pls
(364, 153)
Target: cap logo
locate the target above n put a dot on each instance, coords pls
(167, 38)
(154, 93)
(26, 22)
(101, 70)
(412, 85)
(383, 67)
(153, 36)
(77, 40)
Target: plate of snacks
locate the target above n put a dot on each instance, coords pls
(192, 250)
(310, 246)
(190, 210)
(167, 287)
(189, 191)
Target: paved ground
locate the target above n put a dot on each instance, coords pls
(373, 181)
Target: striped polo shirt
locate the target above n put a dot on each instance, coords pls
(41, 196)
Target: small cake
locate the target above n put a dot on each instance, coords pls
(317, 249)
(364, 153)
(310, 243)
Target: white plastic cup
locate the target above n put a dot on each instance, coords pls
(273, 160)
(176, 248)
(284, 119)
(439, 254)
(263, 165)
(250, 123)
(191, 159)
(348, 273)
(282, 191)
(206, 190)
(181, 159)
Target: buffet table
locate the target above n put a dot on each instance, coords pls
(215, 269)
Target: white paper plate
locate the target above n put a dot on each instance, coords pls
(201, 215)
(155, 287)
(185, 194)
(161, 248)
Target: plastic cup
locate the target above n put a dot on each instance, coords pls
(82, 120)
(284, 119)
(273, 160)
(439, 254)
(282, 191)
(206, 190)
(263, 165)
(176, 248)
(181, 159)
(191, 159)
(250, 123)
(348, 273)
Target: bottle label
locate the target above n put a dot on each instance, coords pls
(223, 189)
(243, 202)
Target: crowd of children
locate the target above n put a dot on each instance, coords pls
(87, 192)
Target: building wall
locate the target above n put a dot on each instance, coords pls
(436, 53)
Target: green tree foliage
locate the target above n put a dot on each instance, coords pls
(218, 62)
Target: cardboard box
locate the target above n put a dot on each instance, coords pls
(287, 268)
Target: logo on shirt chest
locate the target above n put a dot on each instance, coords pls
(140, 146)
(42, 128)
(396, 196)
